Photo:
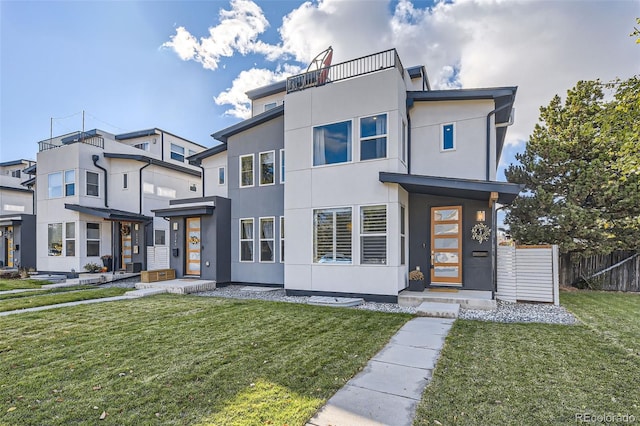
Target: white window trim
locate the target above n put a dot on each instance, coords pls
(260, 168)
(66, 238)
(253, 171)
(224, 173)
(455, 145)
(183, 153)
(282, 239)
(361, 139)
(354, 154)
(86, 183)
(354, 247)
(260, 239)
(404, 145)
(361, 234)
(75, 183)
(155, 244)
(402, 233)
(125, 181)
(282, 166)
(61, 240)
(253, 240)
(87, 239)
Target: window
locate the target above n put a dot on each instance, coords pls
(15, 173)
(267, 160)
(177, 152)
(55, 185)
(373, 137)
(403, 145)
(166, 192)
(269, 106)
(402, 237)
(281, 238)
(448, 137)
(13, 208)
(69, 183)
(332, 143)
(143, 146)
(193, 187)
(125, 181)
(70, 239)
(159, 238)
(93, 239)
(148, 188)
(220, 175)
(282, 166)
(54, 239)
(373, 235)
(332, 236)
(246, 170)
(246, 240)
(93, 184)
(192, 152)
(267, 239)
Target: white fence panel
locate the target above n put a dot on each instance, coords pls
(157, 258)
(506, 272)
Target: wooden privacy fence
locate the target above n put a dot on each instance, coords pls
(617, 271)
(528, 274)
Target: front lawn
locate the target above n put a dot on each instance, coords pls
(31, 301)
(15, 284)
(182, 360)
(532, 374)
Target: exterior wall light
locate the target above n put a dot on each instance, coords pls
(480, 216)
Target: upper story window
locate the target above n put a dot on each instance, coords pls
(93, 184)
(373, 137)
(270, 105)
(55, 185)
(191, 152)
(282, 166)
(332, 143)
(69, 183)
(125, 181)
(177, 152)
(15, 173)
(246, 170)
(143, 146)
(221, 177)
(448, 134)
(59, 180)
(267, 169)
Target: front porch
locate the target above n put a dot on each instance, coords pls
(467, 299)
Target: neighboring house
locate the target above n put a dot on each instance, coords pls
(383, 175)
(17, 215)
(95, 194)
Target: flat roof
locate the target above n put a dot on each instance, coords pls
(256, 120)
(109, 214)
(150, 132)
(154, 161)
(264, 91)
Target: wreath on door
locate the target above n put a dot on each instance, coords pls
(125, 230)
(194, 240)
(480, 232)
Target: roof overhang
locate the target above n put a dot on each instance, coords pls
(9, 220)
(185, 211)
(247, 124)
(109, 214)
(451, 187)
(154, 161)
(264, 91)
(12, 188)
(196, 159)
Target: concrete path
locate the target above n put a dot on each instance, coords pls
(389, 388)
(18, 290)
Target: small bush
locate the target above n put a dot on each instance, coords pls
(92, 267)
(8, 275)
(416, 275)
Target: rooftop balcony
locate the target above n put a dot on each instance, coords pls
(90, 138)
(342, 71)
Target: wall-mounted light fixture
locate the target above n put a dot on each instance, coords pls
(480, 216)
(175, 226)
(136, 226)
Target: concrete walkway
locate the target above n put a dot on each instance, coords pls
(126, 296)
(389, 389)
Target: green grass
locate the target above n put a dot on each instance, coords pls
(41, 292)
(182, 360)
(30, 301)
(15, 284)
(532, 374)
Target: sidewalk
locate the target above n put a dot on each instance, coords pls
(389, 388)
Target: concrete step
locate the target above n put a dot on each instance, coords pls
(335, 301)
(467, 299)
(180, 286)
(145, 292)
(438, 310)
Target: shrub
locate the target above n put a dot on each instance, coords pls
(416, 275)
(92, 267)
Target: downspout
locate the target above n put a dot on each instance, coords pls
(489, 137)
(140, 185)
(409, 106)
(162, 145)
(95, 159)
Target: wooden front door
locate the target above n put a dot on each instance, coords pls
(10, 250)
(446, 245)
(125, 244)
(193, 246)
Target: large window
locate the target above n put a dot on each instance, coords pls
(332, 143)
(403, 234)
(246, 240)
(93, 239)
(69, 183)
(282, 166)
(373, 137)
(246, 170)
(267, 167)
(332, 236)
(70, 239)
(93, 184)
(373, 235)
(177, 152)
(55, 185)
(281, 238)
(267, 239)
(54, 239)
(448, 137)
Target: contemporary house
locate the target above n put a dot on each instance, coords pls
(95, 194)
(382, 175)
(17, 214)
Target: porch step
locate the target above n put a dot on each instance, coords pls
(438, 310)
(335, 301)
(467, 299)
(180, 286)
(145, 292)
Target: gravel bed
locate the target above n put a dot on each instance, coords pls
(522, 312)
(125, 283)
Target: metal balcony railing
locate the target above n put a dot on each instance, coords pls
(342, 71)
(93, 140)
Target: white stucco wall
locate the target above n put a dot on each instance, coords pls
(257, 106)
(211, 165)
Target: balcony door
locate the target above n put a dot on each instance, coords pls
(446, 245)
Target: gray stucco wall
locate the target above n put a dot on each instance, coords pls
(257, 201)
(476, 271)
(27, 241)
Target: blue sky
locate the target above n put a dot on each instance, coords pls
(136, 65)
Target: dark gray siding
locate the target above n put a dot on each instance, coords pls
(27, 241)
(256, 202)
(476, 271)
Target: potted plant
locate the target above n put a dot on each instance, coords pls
(107, 262)
(92, 267)
(416, 280)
